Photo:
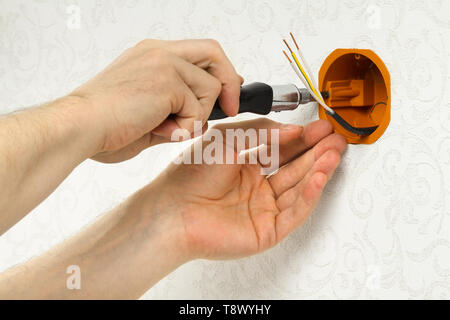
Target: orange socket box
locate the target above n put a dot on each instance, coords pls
(359, 89)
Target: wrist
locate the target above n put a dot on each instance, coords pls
(159, 220)
(129, 249)
(84, 120)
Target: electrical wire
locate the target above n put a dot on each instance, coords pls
(305, 79)
(373, 107)
(313, 88)
(303, 61)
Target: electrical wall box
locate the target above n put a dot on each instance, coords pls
(359, 90)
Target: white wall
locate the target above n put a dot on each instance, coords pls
(382, 227)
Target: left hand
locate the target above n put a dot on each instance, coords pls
(217, 211)
(231, 210)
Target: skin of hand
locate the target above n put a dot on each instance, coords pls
(232, 210)
(137, 93)
(136, 102)
(190, 211)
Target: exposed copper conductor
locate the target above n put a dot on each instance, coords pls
(287, 45)
(295, 42)
(290, 61)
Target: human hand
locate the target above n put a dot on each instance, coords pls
(217, 211)
(231, 210)
(154, 88)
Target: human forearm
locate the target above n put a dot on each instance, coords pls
(121, 255)
(125, 109)
(39, 147)
(189, 211)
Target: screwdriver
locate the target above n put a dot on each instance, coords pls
(261, 98)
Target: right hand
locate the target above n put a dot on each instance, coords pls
(132, 99)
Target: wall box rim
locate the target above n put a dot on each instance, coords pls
(367, 105)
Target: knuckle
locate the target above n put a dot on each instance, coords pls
(160, 60)
(216, 86)
(213, 43)
(335, 156)
(214, 46)
(143, 43)
(157, 54)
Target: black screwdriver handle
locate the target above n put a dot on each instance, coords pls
(256, 98)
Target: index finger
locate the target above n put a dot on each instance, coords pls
(209, 55)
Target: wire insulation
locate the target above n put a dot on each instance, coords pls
(299, 66)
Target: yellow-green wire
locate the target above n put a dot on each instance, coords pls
(306, 77)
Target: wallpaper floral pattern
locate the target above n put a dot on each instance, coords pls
(382, 229)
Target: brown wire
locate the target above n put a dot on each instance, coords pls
(290, 61)
(287, 45)
(295, 42)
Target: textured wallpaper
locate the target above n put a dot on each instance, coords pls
(382, 228)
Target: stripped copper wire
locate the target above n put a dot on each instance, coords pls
(290, 61)
(302, 70)
(287, 45)
(293, 39)
(295, 63)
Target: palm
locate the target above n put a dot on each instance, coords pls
(228, 208)
(234, 210)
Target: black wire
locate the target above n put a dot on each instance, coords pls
(376, 104)
(365, 131)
